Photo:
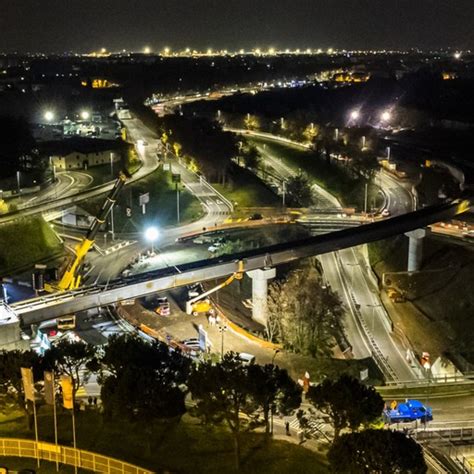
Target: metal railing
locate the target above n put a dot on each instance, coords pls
(65, 455)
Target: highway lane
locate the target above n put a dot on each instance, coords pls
(347, 273)
(68, 183)
(108, 267)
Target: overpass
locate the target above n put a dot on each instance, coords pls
(51, 306)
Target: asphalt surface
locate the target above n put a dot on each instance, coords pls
(216, 210)
(348, 274)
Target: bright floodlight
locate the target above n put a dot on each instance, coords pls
(147, 50)
(151, 234)
(49, 116)
(457, 55)
(355, 114)
(85, 115)
(386, 116)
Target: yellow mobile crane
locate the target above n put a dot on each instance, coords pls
(71, 278)
(201, 304)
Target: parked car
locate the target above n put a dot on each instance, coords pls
(246, 358)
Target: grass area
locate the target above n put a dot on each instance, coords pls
(160, 211)
(442, 291)
(246, 190)
(25, 242)
(330, 176)
(176, 447)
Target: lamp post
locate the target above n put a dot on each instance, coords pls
(386, 116)
(85, 115)
(111, 165)
(222, 329)
(152, 234)
(49, 116)
(355, 114)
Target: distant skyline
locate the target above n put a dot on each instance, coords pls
(87, 25)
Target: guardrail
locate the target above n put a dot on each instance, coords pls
(65, 455)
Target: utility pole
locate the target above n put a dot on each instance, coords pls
(222, 330)
(365, 197)
(176, 178)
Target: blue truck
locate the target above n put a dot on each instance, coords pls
(405, 412)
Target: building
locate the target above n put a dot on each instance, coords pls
(82, 153)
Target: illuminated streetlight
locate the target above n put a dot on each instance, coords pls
(85, 115)
(152, 234)
(457, 55)
(355, 114)
(167, 51)
(386, 116)
(49, 116)
(147, 50)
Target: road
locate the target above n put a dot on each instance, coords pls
(216, 207)
(347, 272)
(67, 184)
(74, 196)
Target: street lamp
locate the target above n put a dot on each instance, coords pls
(222, 329)
(49, 116)
(386, 116)
(355, 114)
(85, 115)
(274, 355)
(152, 234)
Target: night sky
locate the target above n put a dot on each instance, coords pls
(85, 25)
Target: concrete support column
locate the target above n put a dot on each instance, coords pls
(415, 249)
(260, 279)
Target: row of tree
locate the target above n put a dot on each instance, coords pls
(144, 383)
(201, 142)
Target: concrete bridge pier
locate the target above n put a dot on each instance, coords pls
(260, 279)
(415, 249)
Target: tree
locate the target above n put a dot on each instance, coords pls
(381, 451)
(310, 133)
(73, 358)
(17, 142)
(304, 314)
(298, 189)
(223, 393)
(348, 403)
(251, 122)
(141, 380)
(251, 157)
(11, 386)
(274, 391)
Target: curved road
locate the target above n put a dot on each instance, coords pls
(347, 272)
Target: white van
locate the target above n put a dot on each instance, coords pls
(246, 358)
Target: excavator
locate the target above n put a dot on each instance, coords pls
(71, 278)
(202, 304)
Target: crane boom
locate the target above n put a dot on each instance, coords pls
(235, 276)
(72, 277)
